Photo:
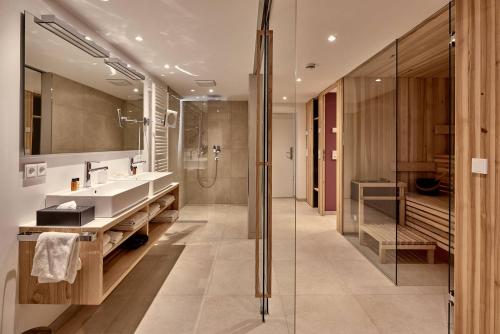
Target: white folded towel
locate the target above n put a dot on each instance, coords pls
(168, 216)
(115, 236)
(165, 200)
(107, 247)
(153, 209)
(106, 238)
(57, 257)
(71, 205)
(131, 223)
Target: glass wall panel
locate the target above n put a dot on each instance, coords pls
(371, 208)
(425, 152)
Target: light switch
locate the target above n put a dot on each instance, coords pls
(334, 130)
(30, 171)
(334, 155)
(41, 169)
(479, 166)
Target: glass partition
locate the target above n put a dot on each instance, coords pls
(371, 205)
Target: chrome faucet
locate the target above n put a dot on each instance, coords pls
(133, 165)
(89, 170)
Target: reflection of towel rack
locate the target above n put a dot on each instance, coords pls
(33, 236)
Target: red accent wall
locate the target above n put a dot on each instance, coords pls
(330, 145)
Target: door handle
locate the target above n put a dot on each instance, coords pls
(289, 154)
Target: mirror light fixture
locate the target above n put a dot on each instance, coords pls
(68, 33)
(124, 68)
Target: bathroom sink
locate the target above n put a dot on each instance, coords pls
(108, 199)
(157, 180)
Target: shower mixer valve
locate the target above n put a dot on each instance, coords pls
(217, 151)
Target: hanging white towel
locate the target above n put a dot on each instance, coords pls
(57, 257)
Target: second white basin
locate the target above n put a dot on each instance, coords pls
(157, 180)
(108, 199)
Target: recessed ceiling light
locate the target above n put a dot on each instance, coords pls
(167, 66)
(163, 75)
(378, 80)
(129, 66)
(192, 90)
(299, 80)
(210, 90)
(136, 90)
(284, 98)
(88, 38)
(104, 0)
(139, 38)
(331, 38)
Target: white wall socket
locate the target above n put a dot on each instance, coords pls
(30, 171)
(41, 169)
(479, 166)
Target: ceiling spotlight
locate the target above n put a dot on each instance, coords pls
(162, 75)
(378, 80)
(210, 90)
(285, 98)
(167, 66)
(331, 38)
(136, 90)
(139, 38)
(299, 80)
(192, 90)
(88, 38)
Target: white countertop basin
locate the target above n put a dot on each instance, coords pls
(108, 199)
(157, 180)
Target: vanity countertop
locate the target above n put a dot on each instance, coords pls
(99, 224)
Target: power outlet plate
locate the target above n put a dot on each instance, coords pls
(30, 171)
(41, 169)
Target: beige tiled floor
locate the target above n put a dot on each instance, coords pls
(210, 288)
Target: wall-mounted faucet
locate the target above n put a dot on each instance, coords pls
(217, 150)
(89, 170)
(133, 165)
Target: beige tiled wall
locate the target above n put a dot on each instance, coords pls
(226, 124)
(85, 119)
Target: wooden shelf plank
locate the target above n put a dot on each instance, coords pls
(120, 265)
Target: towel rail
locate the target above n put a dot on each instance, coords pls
(33, 236)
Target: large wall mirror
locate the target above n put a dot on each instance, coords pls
(71, 98)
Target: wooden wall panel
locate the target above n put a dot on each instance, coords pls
(477, 199)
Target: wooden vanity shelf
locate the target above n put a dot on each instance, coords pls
(100, 272)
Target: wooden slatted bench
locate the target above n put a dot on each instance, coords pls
(385, 235)
(430, 216)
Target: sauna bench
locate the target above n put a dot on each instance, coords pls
(430, 217)
(101, 272)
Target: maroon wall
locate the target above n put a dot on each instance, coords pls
(330, 145)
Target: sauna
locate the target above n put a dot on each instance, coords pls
(398, 155)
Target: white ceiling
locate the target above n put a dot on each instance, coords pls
(214, 39)
(362, 28)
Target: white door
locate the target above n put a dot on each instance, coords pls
(283, 155)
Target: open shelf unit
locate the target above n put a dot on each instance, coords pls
(101, 272)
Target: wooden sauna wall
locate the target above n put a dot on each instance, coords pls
(370, 127)
(423, 110)
(477, 197)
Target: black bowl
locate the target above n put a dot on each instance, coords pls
(428, 186)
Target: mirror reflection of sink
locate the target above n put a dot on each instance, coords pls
(157, 180)
(108, 199)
